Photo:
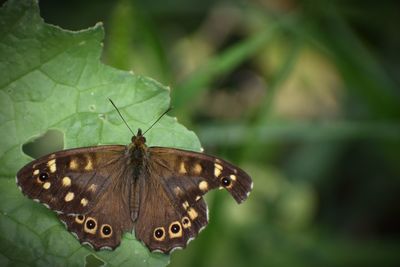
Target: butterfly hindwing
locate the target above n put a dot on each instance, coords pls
(71, 181)
(161, 225)
(102, 227)
(175, 183)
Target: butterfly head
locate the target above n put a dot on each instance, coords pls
(138, 139)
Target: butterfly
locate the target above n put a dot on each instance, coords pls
(101, 192)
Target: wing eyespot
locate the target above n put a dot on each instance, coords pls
(80, 219)
(175, 230)
(226, 182)
(106, 231)
(43, 176)
(159, 234)
(186, 222)
(90, 225)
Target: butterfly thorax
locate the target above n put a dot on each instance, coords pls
(137, 151)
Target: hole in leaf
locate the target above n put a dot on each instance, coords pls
(51, 141)
(93, 261)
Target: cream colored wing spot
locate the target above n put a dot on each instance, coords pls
(46, 185)
(198, 198)
(69, 196)
(233, 177)
(217, 169)
(35, 172)
(92, 188)
(106, 231)
(159, 234)
(197, 169)
(89, 164)
(186, 222)
(218, 166)
(203, 186)
(84, 202)
(66, 181)
(90, 225)
(73, 164)
(217, 172)
(79, 219)
(192, 213)
(52, 165)
(185, 205)
(178, 191)
(175, 230)
(182, 168)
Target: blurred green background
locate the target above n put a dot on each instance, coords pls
(304, 95)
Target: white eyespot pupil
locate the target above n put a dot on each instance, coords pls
(43, 176)
(90, 224)
(159, 233)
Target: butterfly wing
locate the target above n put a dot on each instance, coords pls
(203, 173)
(69, 181)
(88, 187)
(172, 210)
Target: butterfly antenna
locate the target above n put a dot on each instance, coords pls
(159, 118)
(121, 116)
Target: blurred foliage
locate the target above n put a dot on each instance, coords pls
(304, 95)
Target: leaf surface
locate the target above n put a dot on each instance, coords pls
(52, 78)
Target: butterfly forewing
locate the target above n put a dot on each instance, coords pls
(71, 181)
(202, 172)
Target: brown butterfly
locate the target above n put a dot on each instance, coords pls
(101, 192)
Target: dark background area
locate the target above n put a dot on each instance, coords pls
(304, 95)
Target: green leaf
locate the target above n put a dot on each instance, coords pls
(51, 78)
